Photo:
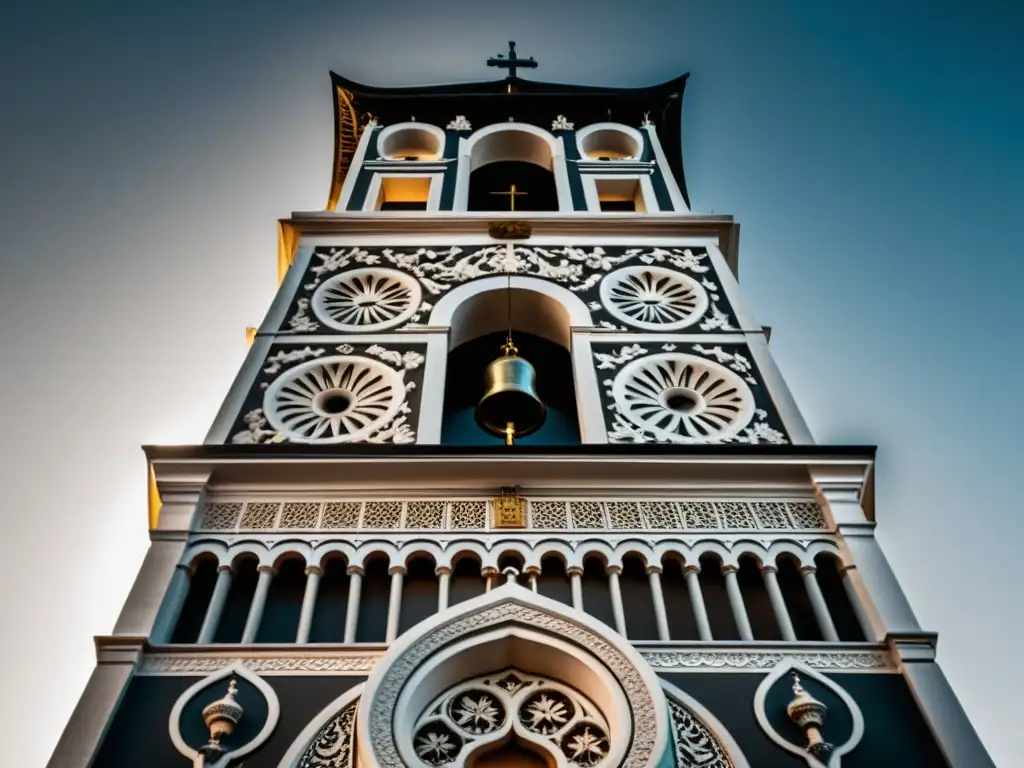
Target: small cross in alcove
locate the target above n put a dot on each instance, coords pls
(512, 192)
(512, 62)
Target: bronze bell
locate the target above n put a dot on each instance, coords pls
(510, 405)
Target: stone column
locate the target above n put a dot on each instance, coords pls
(533, 572)
(616, 589)
(313, 574)
(771, 583)
(739, 610)
(654, 578)
(857, 604)
(259, 602)
(700, 613)
(444, 576)
(355, 588)
(828, 628)
(216, 607)
(174, 602)
(397, 573)
(576, 582)
(489, 573)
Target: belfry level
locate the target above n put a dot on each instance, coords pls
(509, 477)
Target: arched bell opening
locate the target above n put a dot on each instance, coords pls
(512, 169)
(513, 753)
(540, 333)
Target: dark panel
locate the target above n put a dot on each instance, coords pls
(490, 185)
(579, 199)
(280, 619)
(637, 600)
(895, 732)
(716, 600)
(554, 581)
(360, 188)
(681, 622)
(597, 596)
(419, 593)
(138, 734)
(200, 589)
(236, 609)
(755, 597)
(451, 171)
(831, 582)
(373, 603)
(331, 603)
(466, 582)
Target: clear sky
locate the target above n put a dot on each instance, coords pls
(873, 156)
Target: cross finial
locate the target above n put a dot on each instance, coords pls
(512, 63)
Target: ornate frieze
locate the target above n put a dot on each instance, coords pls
(684, 392)
(360, 289)
(344, 663)
(759, 660)
(327, 394)
(542, 514)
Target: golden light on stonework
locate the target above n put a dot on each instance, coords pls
(154, 502)
(250, 336)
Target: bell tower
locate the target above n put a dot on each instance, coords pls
(509, 477)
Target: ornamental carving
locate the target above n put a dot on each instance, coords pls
(684, 393)
(333, 746)
(353, 393)
(354, 289)
(488, 708)
(759, 660)
(582, 745)
(695, 744)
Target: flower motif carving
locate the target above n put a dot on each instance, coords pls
(654, 298)
(367, 300)
(585, 745)
(682, 398)
(437, 744)
(460, 123)
(476, 712)
(561, 123)
(334, 400)
(547, 712)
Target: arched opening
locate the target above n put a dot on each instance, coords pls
(607, 141)
(467, 581)
(794, 593)
(511, 754)
(682, 625)
(830, 579)
(507, 158)
(637, 600)
(716, 599)
(331, 602)
(373, 601)
(411, 141)
(540, 331)
(200, 589)
(280, 620)
(419, 592)
(553, 581)
(597, 596)
(763, 624)
(236, 608)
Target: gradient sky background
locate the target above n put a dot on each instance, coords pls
(873, 156)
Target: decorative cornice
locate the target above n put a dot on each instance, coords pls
(759, 659)
(344, 663)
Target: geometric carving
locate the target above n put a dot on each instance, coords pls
(660, 514)
(382, 514)
(771, 514)
(300, 515)
(808, 514)
(367, 300)
(259, 516)
(736, 514)
(220, 516)
(699, 515)
(425, 514)
(341, 514)
(624, 515)
(548, 514)
(469, 515)
(587, 514)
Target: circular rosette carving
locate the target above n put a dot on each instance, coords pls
(585, 744)
(476, 712)
(436, 743)
(546, 712)
(653, 298)
(682, 398)
(366, 300)
(337, 399)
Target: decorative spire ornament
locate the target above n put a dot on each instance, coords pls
(809, 714)
(221, 717)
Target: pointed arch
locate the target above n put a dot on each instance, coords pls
(712, 728)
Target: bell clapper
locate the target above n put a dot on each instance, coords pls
(510, 433)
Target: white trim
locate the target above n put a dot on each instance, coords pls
(782, 669)
(443, 312)
(370, 203)
(428, 429)
(302, 741)
(632, 133)
(386, 133)
(239, 669)
(353, 169)
(555, 162)
(590, 412)
(674, 192)
(725, 739)
(593, 197)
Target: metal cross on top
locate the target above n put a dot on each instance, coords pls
(512, 192)
(512, 62)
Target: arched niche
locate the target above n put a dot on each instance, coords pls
(541, 331)
(511, 627)
(497, 156)
(411, 141)
(609, 141)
